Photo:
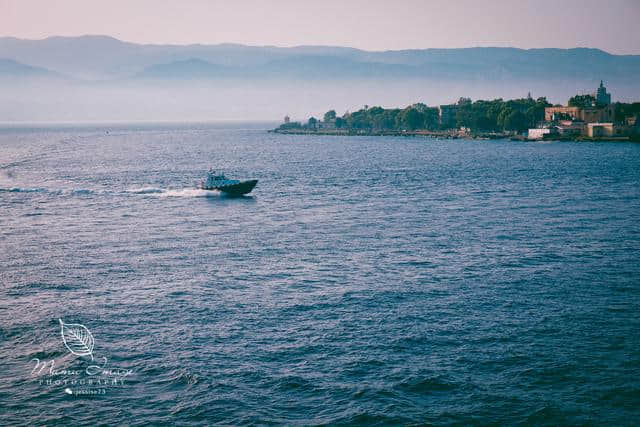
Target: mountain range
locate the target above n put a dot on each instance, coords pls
(106, 58)
(102, 63)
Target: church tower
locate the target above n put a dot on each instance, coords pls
(602, 97)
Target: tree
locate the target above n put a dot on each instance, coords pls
(390, 118)
(481, 115)
(312, 122)
(582, 101)
(431, 118)
(375, 117)
(484, 123)
(493, 112)
(516, 120)
(290, 125)
(358, 120)
(420, 107)
(506, 111)
(373, 111)
(464, 116)
(411, 119)
(329, 115)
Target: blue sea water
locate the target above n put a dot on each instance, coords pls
(366, 280)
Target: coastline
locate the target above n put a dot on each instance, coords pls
(448, 135)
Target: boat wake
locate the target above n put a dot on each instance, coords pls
(144, 191)
(177, 192)
(24, 190)
(55, 191)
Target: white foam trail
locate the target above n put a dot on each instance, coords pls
(149, 191)
(176, 192)
(55, 191)
(24, 190)
(146, 190)
(190, 192)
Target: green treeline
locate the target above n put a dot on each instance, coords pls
(516, 115)
(495, 115)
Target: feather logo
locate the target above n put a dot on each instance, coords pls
(77, 338)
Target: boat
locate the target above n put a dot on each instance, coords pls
(232, 187)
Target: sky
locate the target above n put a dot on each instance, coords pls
(610, 25)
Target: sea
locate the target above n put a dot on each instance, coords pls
(364, 281)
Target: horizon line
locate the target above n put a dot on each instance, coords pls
(106, 36)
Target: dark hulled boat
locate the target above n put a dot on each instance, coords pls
(232, 187)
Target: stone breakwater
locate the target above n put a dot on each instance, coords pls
(449, 134)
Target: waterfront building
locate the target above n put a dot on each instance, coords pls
(327, 124)
(601, 111)
(596, 130)
(599, 130)
(571, 128)
(542, 133)
(585, 114)
(562, 113)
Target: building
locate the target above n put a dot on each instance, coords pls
(601, 111)
(447, 115)
(604, 130)
(561, 113)
(583, 114)
(287, 119)
(599, 130)
(601, 95)
(327, 124)
(571, 128)
(542, 133)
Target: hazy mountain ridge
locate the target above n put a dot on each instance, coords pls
(11, 68)
(102, 78)
(106, 58)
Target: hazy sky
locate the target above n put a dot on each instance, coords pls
(612, 25)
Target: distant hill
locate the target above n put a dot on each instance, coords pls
(106, 58)
(102, 78)
(187, 69)
(296, 67)
(11, 68)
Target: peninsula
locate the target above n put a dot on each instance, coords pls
(585, 117)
